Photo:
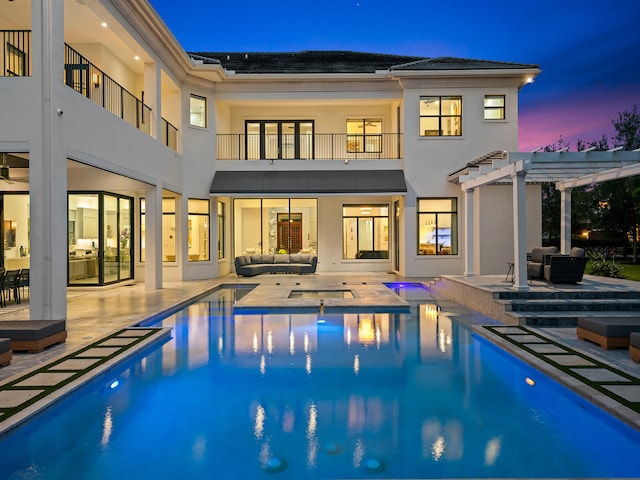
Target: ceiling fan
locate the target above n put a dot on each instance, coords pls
(4, 172)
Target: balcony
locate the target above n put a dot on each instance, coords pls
(16, 58)
(319, 146)
(85, 78)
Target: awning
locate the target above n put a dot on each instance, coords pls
(316, 182)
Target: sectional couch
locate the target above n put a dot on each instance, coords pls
(250, 265)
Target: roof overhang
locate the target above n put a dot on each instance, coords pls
(565, 169)
(305, 182)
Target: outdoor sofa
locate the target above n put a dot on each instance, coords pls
(5, 352)
(565, 268)
(608, 332)
(33, 335)
(250, 265)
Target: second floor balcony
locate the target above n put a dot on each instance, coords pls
(309, 146)
(86, 78)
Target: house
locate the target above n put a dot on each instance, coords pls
(124, 158)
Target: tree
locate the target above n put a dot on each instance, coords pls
(612, 206)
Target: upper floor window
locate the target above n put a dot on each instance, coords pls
(364, 135)
(198, 111)
(441, 116)
(494, 107)
(437, 226)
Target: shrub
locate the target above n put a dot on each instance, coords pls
(603, 267)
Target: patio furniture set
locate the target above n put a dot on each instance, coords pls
(545, 263)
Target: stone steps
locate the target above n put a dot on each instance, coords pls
(543, 304)
(574, 305)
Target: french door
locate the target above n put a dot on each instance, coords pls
(279, 139)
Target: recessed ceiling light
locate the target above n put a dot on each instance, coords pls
(104, 24)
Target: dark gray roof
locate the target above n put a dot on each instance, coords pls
(323, 182)
(312, 61)
(453, 63)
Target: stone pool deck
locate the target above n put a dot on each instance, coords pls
(607, 377)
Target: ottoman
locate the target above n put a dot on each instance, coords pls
(608, 332)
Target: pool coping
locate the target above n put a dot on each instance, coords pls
(49, 384)
(606, 388)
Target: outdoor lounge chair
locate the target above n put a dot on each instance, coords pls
(565, 268)
(608, 332)
(33, 335)
(634, 346)
(535, 261)
(5, 352)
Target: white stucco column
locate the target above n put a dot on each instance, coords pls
(48, 166)
(469, 238)
(153, 97)
(565, 221)
(520, 230)
(153, 238)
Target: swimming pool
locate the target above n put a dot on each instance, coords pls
(298, 395)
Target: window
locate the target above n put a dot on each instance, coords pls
(440, 116)
(494, 107)
(275, 225)
(198, 111)
(364, 135)
(365, 231)
(221, 246)
(198, 230)
(438, 226)
(168, 229)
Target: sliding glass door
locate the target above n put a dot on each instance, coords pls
(100, 226)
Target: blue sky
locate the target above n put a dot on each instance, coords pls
(589, 52)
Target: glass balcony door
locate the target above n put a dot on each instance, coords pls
(291, 139)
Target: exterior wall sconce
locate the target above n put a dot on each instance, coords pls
(96, 80)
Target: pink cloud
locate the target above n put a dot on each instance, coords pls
(585, 115)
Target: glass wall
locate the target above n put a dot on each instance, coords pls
(16, 231)
(365, 231)
(275, 225)
(99, 236)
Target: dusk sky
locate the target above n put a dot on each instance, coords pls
(589, 52)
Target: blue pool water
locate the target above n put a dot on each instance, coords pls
(299, 396)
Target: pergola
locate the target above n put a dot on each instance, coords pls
(566, 169)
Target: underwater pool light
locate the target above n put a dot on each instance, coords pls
(114, 384)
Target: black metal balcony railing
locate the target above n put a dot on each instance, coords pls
(16, 53)
(319, 146)
(169, 135)
(87, 79)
